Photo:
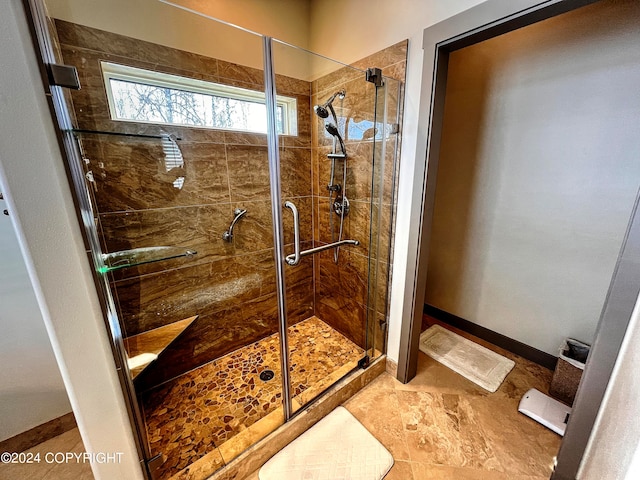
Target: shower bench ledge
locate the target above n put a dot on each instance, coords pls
(154, 342)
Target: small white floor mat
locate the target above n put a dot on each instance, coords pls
(338, 447)
(474, 362)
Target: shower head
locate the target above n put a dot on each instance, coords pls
(333, 130)
(323, 110)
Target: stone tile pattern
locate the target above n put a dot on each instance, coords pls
(442, 426)
(231, 286)
(201, 410)
(342, 295)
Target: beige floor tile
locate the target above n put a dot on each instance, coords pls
(521, 445)
(432, 376)
(401, 470)
(443, 429)
(35, 471)
(67, 442)
(453, 429)
(422, 471)
(253, 476)
(377, 408)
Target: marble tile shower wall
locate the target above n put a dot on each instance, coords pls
(231, 286)
(341, 289)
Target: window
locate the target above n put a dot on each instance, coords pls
(146, 96)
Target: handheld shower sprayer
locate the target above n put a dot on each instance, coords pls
(332, 129)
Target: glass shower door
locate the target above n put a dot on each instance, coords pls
(205, 299)
(326, 168)
(172, 157)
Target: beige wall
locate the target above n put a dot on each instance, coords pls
(538, 174)
(347, 30)
(157, 22)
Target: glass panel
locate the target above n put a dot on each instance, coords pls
(385, 150)
(328, 164)
(181, 208)
(183, 216)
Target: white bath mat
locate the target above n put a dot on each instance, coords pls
(474, 362)
(338, 447)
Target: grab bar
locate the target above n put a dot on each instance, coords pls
(294, 258)
(238, 214)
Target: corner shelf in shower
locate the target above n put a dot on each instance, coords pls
(153, 342)
(140, 256)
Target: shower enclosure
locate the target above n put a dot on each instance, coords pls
(237, 208)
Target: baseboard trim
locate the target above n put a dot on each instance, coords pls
(26, 440)
(392, 368)
(499, 340)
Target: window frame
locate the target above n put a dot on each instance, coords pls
(126, 73)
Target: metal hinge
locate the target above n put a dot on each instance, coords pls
(364, 362)
(374, 75)
(153, 464)
(63, 76)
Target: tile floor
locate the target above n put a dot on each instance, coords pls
(440, 426)
(67, 442)
(204, 409)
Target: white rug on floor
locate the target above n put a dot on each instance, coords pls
(338, 447)
(474, 362)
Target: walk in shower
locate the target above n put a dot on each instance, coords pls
(239, 205)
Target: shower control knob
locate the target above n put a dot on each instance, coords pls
(341, 206)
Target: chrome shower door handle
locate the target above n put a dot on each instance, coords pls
(295, 258)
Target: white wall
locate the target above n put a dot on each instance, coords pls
(37, 192)
(538, 175)
(31, 388)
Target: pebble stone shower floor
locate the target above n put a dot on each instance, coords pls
(200, 410)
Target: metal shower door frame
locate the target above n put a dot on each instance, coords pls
(276, 214)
